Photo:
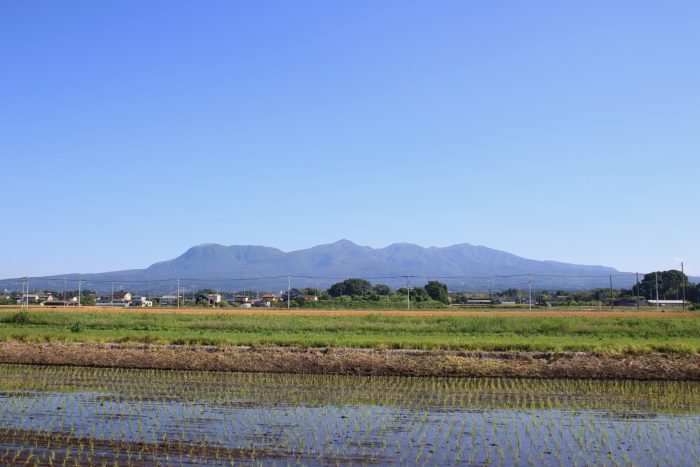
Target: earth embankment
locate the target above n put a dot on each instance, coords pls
(367, 362)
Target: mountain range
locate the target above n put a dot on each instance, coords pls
(463, 267)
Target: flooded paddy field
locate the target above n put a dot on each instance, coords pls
(51, 415)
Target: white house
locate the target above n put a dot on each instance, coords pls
(141, 302)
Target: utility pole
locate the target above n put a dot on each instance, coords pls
(637, 291)
(25, 295)
(684, 281)
(656, 278)
(177, 293)
(529, 288)
(612, 303)
(289, 290)
(111, 303)
(65, 291)
(80, 303)
(408, 291)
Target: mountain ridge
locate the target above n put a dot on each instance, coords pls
(461, 266)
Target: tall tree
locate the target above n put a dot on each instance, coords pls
(670, 284)
(352, 287)
(381, 289)
(437, 291)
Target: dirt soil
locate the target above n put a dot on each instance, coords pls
(345, 361)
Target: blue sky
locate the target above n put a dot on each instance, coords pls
(130, 131)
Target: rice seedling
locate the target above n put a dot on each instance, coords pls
(91, 416)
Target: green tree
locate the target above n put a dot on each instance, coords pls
(351, 287)
(437, 291)
(381, 289)
(670, 284)
(87, 301)
(311, 291)
(6, 300)
(419, 294)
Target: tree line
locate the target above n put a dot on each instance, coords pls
(357, 292)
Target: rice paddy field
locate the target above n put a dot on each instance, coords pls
(78, 415)
(90, 416)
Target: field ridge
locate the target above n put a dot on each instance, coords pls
(351, 361)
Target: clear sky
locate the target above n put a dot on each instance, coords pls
(132, 130)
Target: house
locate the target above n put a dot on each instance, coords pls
(168, 300)
(292, 295)
(270, 297)
(141, 302)
(120, 296)
(312, 298)
(28, 298)
(115, 298)
(212, 298)
(72, 301)
(45, 297)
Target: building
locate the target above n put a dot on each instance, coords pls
(141, 302)
(483, 301)
(212, 298)
(667, 303)
(168, 300)
(120, 296)
(45, 297)
(30, 297)
(116, 298)
(292, 295)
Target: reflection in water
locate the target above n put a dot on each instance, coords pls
(139, 417)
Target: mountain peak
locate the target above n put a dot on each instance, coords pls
(344, 242)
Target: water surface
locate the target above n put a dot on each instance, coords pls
(146, 417)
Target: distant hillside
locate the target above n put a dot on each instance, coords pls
(462, 267)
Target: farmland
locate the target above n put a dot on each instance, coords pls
(89, 416)
(117, 387)
(480, 331)
(664, 346)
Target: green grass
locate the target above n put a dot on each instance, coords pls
(555, 333)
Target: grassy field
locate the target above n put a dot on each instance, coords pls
(623, 332)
